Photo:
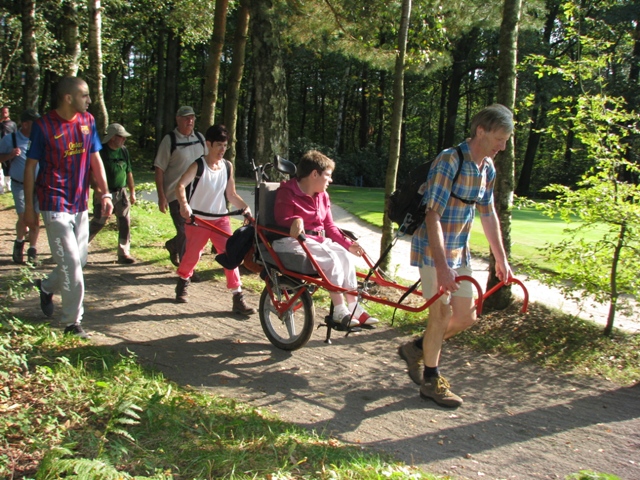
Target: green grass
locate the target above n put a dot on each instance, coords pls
(90, 411)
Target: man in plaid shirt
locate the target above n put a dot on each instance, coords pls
(440, 246)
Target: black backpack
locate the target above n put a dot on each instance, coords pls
(405, 204)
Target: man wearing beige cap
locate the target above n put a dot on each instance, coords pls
(178, 149)
(117, 165)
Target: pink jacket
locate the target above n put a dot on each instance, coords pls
(315, 212)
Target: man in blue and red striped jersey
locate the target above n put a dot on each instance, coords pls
(65, 144)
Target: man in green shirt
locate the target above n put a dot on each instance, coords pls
(117, 165)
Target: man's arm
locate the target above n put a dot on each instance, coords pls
(491, 227)
(132, 188)
(97, 168)
(10, 156)
(181, 190)
(30, 217)
(163, 205)
(446, 275)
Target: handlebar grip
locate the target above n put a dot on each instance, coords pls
(302, 237)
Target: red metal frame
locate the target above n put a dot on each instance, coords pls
(376, 277)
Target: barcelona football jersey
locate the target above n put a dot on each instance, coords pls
(63, 149)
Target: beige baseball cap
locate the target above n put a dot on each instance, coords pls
(185, 111)
(113, 130)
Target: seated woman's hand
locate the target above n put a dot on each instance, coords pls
(356, 249)
(297, 228)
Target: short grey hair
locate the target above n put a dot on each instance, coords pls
(493, 117)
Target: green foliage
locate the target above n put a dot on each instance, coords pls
(605, 268)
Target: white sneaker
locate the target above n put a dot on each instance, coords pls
(363, 317)
(339, 314)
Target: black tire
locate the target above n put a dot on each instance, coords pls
(294, 329)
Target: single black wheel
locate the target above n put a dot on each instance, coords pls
(293, 330)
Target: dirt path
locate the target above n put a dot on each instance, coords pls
(518, 420)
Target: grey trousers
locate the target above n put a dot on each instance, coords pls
(68, 235)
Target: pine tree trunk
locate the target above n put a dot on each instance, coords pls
(70, 38)
(458, 71)
(161, 88)
(30, 55)
(235, 79)
(212, 75)
(396, 128)
(504, 161)
(171, 79)
(539, 110)
(94, 78)
(271, 126)
(341, 110)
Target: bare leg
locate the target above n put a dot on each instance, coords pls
(445, 321)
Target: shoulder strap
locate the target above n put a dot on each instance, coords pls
(194, 183)
(172, 137)
(200, 138)
(14, 139)
(125, 152)
(461, 157)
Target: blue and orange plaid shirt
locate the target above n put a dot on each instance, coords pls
(456, 217)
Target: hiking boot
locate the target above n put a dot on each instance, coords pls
(46, 299)
(77, 330)
(18, 252)
(411, 354)
(32, 255)
(182, 296)
(437, 389)
(126, 259)
(173, 253)
(240, 305)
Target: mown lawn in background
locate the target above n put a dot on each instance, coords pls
(530, 229)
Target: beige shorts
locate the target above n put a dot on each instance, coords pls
(429, 282)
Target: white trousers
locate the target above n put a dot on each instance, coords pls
(332, 258)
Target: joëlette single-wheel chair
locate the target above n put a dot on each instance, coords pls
(286, 309)
(286, 306)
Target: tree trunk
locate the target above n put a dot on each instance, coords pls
(396, 128)
(458, 70)
(235, 79)
(30, 55)
(504, 161)
(341, 110)
(613, 290)
(70, 38)
(212, 75)
(171, 79)
(94, 78)
(363, 137)
(539, 110)
(271, 126)
(161, 88)
(381, 110)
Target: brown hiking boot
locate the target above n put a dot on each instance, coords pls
(437, 389)
(125, 258)
(182, 296)
(411, 354)
(173, 253)
(240, 305)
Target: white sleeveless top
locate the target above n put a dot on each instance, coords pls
(209, 194)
